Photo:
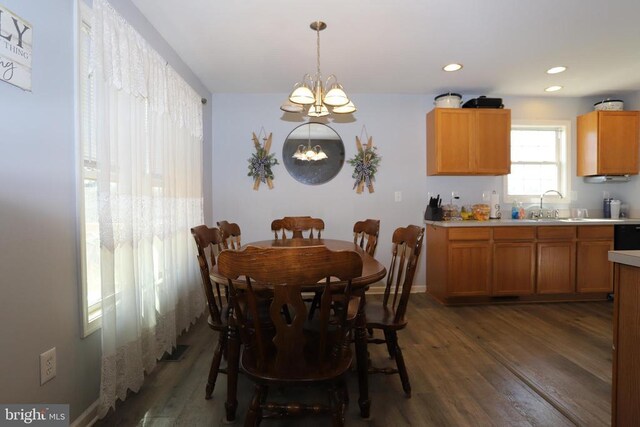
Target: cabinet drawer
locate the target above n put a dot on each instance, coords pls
(556, 233)
(475, 233)
(595, 232)
(514, 233)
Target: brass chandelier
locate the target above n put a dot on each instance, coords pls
(309, 94)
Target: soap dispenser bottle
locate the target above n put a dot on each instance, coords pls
(515, 210)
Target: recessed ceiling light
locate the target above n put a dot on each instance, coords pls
(556, 70)
(553, 88)
(452, 67)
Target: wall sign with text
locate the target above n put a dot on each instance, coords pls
(16, 37)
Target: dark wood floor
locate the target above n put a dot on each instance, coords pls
(502, 365)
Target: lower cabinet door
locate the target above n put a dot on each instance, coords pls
(514, 268)
(556, 267)
(469, 268)
(594, 272)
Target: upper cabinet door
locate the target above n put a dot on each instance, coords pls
(493, 142)
(618, 142)
(465, 141)
(449, 141)
(608, 143)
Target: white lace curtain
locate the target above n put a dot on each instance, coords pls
(148, 125)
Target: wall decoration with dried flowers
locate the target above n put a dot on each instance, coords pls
(365, 164)
(261, 161)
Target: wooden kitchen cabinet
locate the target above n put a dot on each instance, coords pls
(469, 262)
(468, 141)
(626, 345)
(514, 260)
(556, 260)
(608, 143)
(469, 267)
(594, 272)
(459, 263)
(518, 263)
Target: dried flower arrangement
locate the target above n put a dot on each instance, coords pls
(261, 162)
(365, 165)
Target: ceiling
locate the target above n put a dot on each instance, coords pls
(385, 46)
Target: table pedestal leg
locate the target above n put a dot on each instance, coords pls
(362, 359)
(233, 356)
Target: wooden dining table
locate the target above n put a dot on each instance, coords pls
(372, 271)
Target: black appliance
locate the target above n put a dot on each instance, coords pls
(626, 237)
(483, 102)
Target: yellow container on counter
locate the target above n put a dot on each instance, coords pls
(481, 212)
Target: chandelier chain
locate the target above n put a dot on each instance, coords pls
(318, 50)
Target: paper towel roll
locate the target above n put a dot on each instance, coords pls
(495, 206)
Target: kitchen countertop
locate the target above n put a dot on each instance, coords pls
(533, 222)
(631, 258)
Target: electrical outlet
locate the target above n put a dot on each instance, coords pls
(398, 196)
(47, 365)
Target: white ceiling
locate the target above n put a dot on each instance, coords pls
(385, 46)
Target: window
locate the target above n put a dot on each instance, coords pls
(89, 228)
(539, 160)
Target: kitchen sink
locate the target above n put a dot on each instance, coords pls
(576, 220)
(590, 220)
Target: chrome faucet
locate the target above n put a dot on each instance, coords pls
(547, 192)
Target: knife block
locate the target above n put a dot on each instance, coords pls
(433, 213)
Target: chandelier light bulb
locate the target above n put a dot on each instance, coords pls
(302, 95)
(336, 96)
(345, 109)
(318, 111)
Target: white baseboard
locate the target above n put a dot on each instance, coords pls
(88, 417)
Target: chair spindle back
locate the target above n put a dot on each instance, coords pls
(230, 234)
(365, 235)
(407, 245)
(281, 274)
(209, 240)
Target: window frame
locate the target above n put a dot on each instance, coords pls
(563, 153)
(91, 316)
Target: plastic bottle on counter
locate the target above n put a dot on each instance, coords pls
(515, 211)
(521, 212)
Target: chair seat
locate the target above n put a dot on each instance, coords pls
(380, 317)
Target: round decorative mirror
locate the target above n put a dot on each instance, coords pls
(313, 153)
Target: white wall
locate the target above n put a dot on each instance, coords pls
(40, 299)
(397, 124)
(40, 302)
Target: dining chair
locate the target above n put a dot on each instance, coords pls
(297, 226)
(365, 235)
(230, 234)
(279, 231)
(290, 354)
(209, 240)
(390, 316)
